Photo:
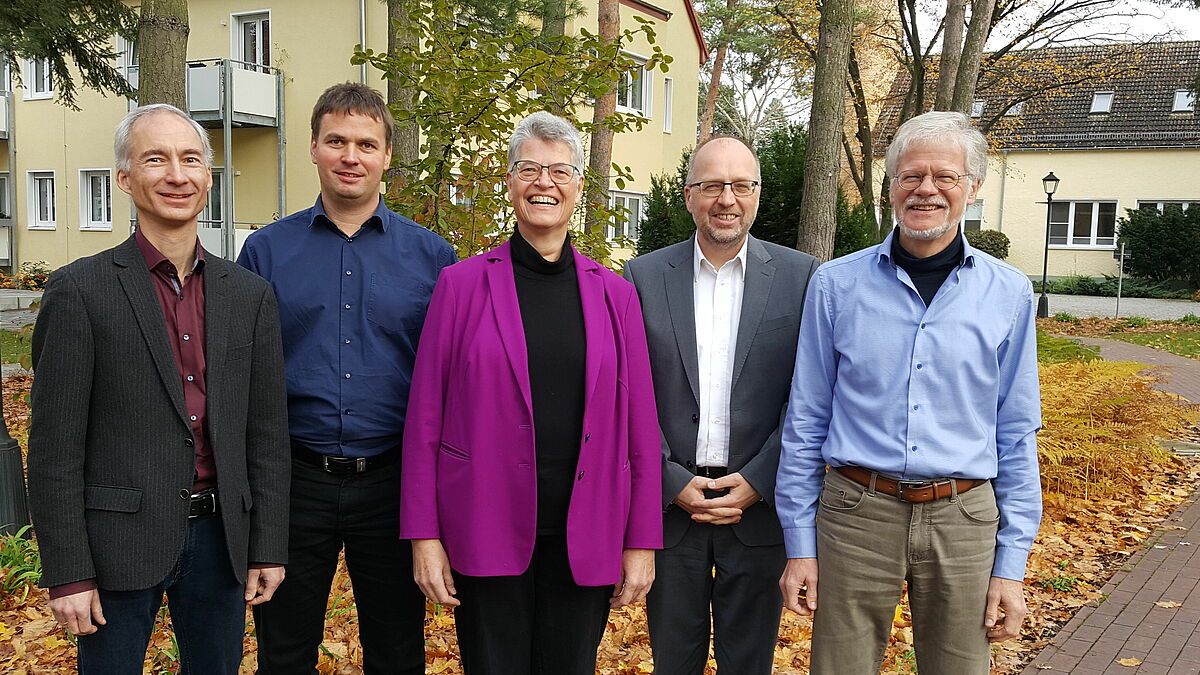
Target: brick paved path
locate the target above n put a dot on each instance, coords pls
(1129, 623)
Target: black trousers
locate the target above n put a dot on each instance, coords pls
(711, 566)
(359, 512)
(540, 622)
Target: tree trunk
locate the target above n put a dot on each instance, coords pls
(554, 27)
(405, 137)
(714, 82)
(608, 20)
(968, 68)
(866, 180)
(818, 205)
(912, 39)
(956, 12)
(162, 47)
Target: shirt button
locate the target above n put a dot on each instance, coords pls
(917, 407)
(190, 378)
(347, 376)
(189, 442)
(922, 326)
(184, 494)
(347, 305)
(186, 336)
(348, 272)
(347, 340)
(192, 418)
(920, 366)
(348, 412)
(914, 448)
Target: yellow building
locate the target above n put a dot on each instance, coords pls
(57, 198)
(1123, 134)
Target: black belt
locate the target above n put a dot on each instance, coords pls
(343, 465)
(203, 503)
(712, 471)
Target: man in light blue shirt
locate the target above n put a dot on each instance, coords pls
(916, 382)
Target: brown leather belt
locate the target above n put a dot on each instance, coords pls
(916, 492)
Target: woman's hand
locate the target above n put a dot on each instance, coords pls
(431, 570)
(637, 573)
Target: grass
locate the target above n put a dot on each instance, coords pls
(1058, 350)
(20, 565)
(1183, 343)
(15, 346)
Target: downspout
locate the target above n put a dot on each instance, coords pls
(362, 38)
(1003, 184)
(12, 179)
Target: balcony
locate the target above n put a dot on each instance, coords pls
(250, 94)
(4, 98)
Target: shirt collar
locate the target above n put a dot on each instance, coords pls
(698, 258)
(380, 215)
(884, 251)
(154, 257)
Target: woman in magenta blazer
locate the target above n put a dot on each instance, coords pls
(531, 476)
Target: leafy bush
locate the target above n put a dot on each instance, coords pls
(1066, 318)
(1190, 319)
(855, 227)
(1163, 245)
(1135, 322)
(30, 276)
(20, 565)
(992, 242)
(666, 219)
(1131, 287)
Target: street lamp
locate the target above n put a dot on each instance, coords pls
(1049, 185)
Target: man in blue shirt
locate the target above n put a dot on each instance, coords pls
(916, 383)
(353, 281)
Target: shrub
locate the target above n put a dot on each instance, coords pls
(1135, 322)
(666, 219)
(30, 276)
(1066, 318)
(20, 565)
(1190, 319)
(992, 242)
(1163, 245)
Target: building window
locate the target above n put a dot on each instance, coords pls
(1164, 204)
(633, 91)
(1101, 102)
(39, 81)
(127, 61)
(1185, 101)
(41, 200)
(1083, 224)
(95, 199)
(1015, 109)
(627, 221)
(213, 215)
(973, 216)
(668, 105)
(977, 109)
(253, 40)
(5, 198)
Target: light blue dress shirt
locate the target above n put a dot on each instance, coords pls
(914, 392)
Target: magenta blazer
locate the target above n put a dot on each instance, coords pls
(468, 475)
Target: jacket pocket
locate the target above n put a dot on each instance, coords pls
(454, 452)
(238, 353)
(109, 498)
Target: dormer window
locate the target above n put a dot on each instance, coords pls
(977, 109)
(1185, 101)
(1101, 102)
(1015, 109)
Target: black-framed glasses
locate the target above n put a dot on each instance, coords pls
(714, 188)
(528, 170)
(942, 180)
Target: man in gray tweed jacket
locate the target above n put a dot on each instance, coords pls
(158, 451)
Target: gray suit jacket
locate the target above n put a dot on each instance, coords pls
(111, 454)
(776, 281)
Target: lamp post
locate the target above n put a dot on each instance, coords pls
(1049, 185)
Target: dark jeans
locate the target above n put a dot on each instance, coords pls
(539, 622)
(361, 513)
(208, 613)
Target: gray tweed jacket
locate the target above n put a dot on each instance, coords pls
(110, 449)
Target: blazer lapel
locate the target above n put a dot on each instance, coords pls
(137, 284)
(759, 275)
(216, 327)
(678, 280)
(502, 287)
(591, 298)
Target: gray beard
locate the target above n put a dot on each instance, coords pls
(924, 235)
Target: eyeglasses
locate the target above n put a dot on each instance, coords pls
(942, 180)
(714, 188)
(529, 170)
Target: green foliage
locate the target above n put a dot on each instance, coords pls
(20, 565)
(15, 345)
(992, 242)
(1059, 350)
(1183, 343)
(1066, 317)
(475, 84)
(666, 219)
(1131, 287)
(1063, 583)
(1190, 319)
(1135, 322)
(1163, 246)
(781, 157)
(855, 227)
(75, 35)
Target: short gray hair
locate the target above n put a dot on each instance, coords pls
(545, 127)
(941, 128)
(124, 136)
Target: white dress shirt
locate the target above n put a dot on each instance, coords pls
(718, 302)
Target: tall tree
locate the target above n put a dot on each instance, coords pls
(162, 42)
(728, 26)
(66, 31)
(822, 169)
(967, 78)
(608, 24)
(406, 136)
(952, 43)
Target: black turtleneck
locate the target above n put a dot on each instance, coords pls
(552, 316)
(928, 274)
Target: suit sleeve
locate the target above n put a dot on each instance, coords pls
(644, 528)
(426, 410)
(268, 452)
(63, 358)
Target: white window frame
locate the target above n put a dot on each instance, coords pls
(668, 103)
(975, 209)
(1160, 204)
(208, 218)
(1185, 101)
(977, 108)
(128, 61)
(1102, 102)
(35, 203)
(237, 46)
(1072, 242)
(6, 197)
(86, 223)
(632, 226)
(646, 83)
(37, 88)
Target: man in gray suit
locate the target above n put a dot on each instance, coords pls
(158, 451)
(722, 313)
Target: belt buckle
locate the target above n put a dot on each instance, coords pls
(360, 464)
(902, 485)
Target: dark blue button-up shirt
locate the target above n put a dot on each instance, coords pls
(351, 310)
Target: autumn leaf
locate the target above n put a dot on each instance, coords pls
(1130, 662)
(1169, 604)
(53, 642)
